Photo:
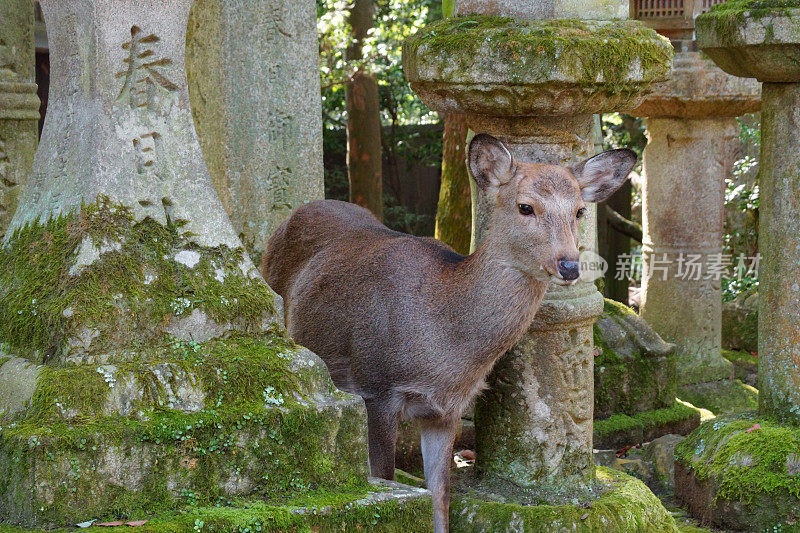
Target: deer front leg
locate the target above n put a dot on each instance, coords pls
(382, 436)
(437, 455)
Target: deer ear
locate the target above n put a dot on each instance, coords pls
(600, 176)
(489, 161)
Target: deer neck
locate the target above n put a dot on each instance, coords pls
(496, 302)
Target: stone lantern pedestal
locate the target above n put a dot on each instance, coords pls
(535, 84)
(691, 128)
(143, 365)
(741, 473)
(19, 105)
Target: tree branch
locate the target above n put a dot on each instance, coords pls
(623, 225)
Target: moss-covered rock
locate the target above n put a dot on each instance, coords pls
(622, 430)
(379, 506)
(634, 370)
(740, 323)
(741, 473)
(623, 503)
(502, 66)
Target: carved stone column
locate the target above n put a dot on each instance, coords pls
(762, 43)
(535, 84)
(691, 130)
(19, 105)
(254, 83)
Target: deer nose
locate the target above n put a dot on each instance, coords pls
(569, 270)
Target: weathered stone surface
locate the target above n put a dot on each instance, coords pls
(779, 243)
(740, 322)
(740, 473)
(686, 161)
(18, 377)
(745, 366)
(661, 454)
(537, 9)
(753, 39)
(254, 84)
(635, 369)
(19, 105)
(504, 67)
(697, 88)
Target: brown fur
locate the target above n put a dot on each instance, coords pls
(410, 325)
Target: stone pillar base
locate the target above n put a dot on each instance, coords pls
(626, 505)
(195, 423)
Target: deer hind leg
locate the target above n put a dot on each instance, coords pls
(437, 454)
(382, 434)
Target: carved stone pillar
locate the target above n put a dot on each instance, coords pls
(691, 131)
(254, 83)
(752, 39)
(762, 43)
(19, 105)
(535, 84)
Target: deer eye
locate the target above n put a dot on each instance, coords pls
(581, 212)
(525, 209)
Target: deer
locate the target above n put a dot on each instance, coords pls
(413, 327)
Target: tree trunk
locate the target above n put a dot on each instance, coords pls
(363, 121)
(454, 212)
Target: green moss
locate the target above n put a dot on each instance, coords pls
(626, 504)
(754, 477)
(535, 49)
(127, 296)
(736, 356)
(352, 507)
(727, 18)
(621, 429)
(721, 397)
(4, 360)
(264, 426)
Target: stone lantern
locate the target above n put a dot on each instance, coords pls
(534, 81)
(739, 472)
(691, 129)
(143, 364)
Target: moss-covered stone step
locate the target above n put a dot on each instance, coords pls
(621, 430)
(624, 504)
(741, 473)
(726, 396)
(379, 506)
(745, 366)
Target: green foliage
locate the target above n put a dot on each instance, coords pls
(395, 20)
(742, 203)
